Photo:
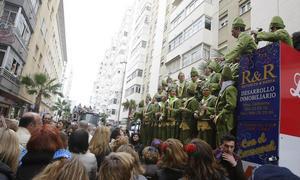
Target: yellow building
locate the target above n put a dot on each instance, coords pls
(47, 48)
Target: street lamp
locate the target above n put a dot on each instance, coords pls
(123, 79)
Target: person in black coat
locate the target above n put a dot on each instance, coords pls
(42, 145)
(136, 142)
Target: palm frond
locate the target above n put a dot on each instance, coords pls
(27, 81)
(40, 79)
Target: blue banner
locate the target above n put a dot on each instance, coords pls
(258, 104)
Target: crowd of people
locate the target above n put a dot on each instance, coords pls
(187, 132)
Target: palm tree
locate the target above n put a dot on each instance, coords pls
(62, 107)
(41, 86)
(103, 118)
(129, 105)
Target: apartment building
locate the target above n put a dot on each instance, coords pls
(47, 48)
(137, 55)
(154, 48)
(190, 36)
(108, 86)
(17, 24)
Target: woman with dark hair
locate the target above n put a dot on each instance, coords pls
(42, 145)
(78, 145)
(116, 133)
(201, 162)
(136, 142)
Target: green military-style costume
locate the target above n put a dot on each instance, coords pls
(147, 118)
(162, 115)
(188, 124)
(197, 83)
(213, 80)
(154, 120)
(204, 126)
(225, 106)
(245, 43)
(279, 35)
(182, 88)
(173, 118)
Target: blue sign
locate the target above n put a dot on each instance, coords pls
(258, 104)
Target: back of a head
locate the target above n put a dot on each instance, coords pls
(138, 169)
(100, 141)
(115, 133)
(296, 40)
(64, 169)
(273, 172)
(83, 125)
(173, 155)
(79, 141)
(150, 155)
(9, 148)
(201, 161)
(26, 119)
(45, 139)
(117, 166)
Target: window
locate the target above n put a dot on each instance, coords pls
(207, 23)
(173, 66)
(206, 51)
(2, 54)
(43, 27)
(196, 54)
(140, 73)
(138, 88)
(9, 15)
(133, 89)
(177, 19)
(115, 101)
(23, 30)
(223, 21)
(175, 42)
(144, 43)
(113, 111)
(245, 7)
(125, 33)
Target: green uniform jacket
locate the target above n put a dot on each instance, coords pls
(245, 45)
(225, 108)
(213, 81)
(182, 90)
(174, 111)
(210, 103)
(187, 115)
(279, 35)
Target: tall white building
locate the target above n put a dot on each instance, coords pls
(137, 54)
(191, 36)
(107, 89)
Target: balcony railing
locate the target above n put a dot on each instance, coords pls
(9, 76)
(9, 81)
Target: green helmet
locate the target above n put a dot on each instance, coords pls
(191, 89)
(277, 22)
(164, 83)
(194, 72)
(226, 73)
(214, 66)
(238, 23)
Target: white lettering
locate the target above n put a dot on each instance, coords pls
(296, 92)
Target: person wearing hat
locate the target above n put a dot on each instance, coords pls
(154, 118)
(206, 109)
(188, 129)
(278, 33)
(146, 124)
(214, 76)
(296, 40)
(181, 86)
(245, 43)
(273, 172)
(162, 116)
(195, 80)
(225, 106)
(173, 119)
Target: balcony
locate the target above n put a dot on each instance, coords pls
(29, 10)
(9, 82)
(9, 37)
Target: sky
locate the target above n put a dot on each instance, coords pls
(90, 26)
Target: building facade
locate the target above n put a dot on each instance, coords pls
(107, 90)
(47, 48)
(190, 36)
(17, 24)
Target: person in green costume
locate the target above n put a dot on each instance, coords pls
(154, 119)
(173, 118)
(198, 83)
(214, 76)
(245, 45)
(148, 112)
(225, 106)
(162, 116)
(182, 86)
(188, 125)
(206, 109)
(278, 33)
